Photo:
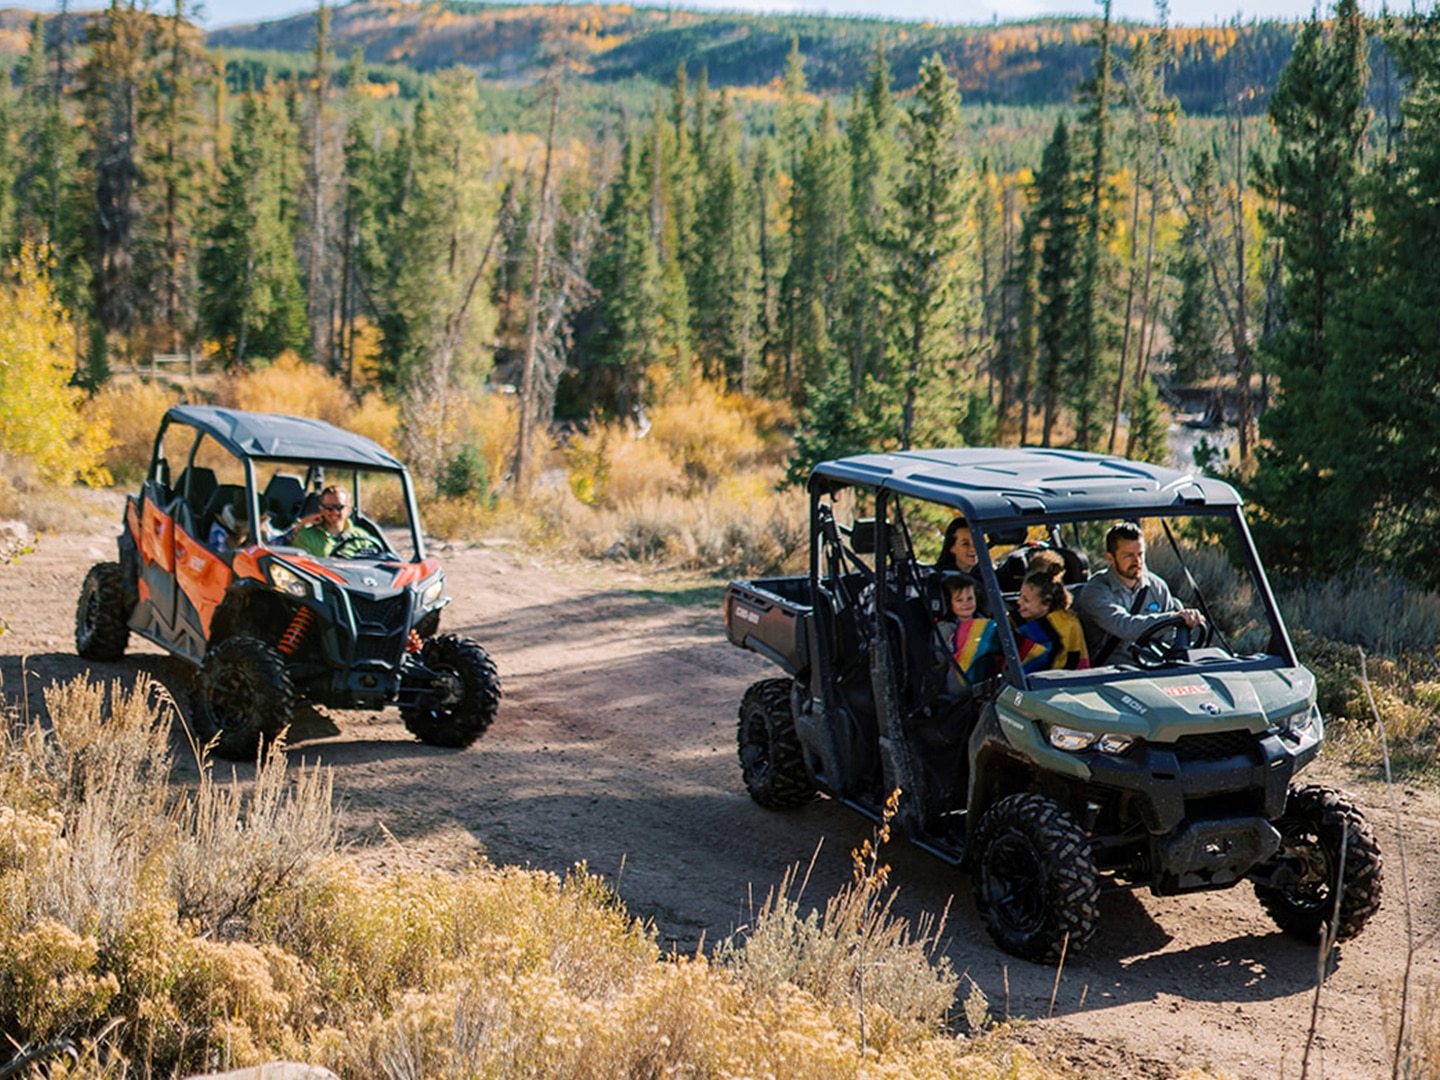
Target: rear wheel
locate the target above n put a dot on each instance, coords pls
(463, 695)
(243, 696)
(101, 632)
(770, 759)
(1319, 823)
(1035, 881)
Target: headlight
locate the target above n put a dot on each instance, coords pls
(1067, 738)
(431, 596)
(1073, 739)
(287, 581)
(1306, 723)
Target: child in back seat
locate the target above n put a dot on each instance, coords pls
(972, 641)
(1047, 632)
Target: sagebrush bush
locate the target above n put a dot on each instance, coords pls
(1379, 611)
(741, 526)
(488, 972)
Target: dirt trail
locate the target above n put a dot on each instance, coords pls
(615, 746)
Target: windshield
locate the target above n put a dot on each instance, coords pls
(1059, 597)
(378, 501)
(1148, 592)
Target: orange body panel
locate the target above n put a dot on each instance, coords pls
(413, 572)
(157, 538)
(202, 576)
(246, 565)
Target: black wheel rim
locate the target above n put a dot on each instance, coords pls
(233, 694)
(1012, 883)
(1315, 892)
(90, 606)
(756, 756)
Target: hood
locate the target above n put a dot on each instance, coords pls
(1166, 706)
(364, 577)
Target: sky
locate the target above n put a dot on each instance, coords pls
(219, 13)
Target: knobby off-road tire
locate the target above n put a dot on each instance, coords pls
(243, 695)
(1034, 878)
(457, 718)
(770, 759)
(101, 632)
(1317, 822)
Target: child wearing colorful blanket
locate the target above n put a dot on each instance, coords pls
(972, 641)
(1047, 632)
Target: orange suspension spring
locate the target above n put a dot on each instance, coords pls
(413, 644)
(290, 640)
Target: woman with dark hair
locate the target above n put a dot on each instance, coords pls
(957, 552)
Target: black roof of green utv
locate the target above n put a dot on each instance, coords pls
(269, 435)
(991, 484)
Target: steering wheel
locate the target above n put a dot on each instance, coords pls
(357, 547)
(1150, 652)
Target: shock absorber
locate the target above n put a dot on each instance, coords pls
(290, 640)
(413, 644)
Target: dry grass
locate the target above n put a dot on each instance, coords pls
(133, 410)
(114, 883)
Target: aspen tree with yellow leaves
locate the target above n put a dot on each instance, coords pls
(39, 408)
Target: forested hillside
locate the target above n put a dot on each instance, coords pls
(854, 256)
(1033, 63)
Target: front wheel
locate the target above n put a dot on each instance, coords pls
(243, 696)
(1319, 823)
(461, 697)
(770, 759)
(101, 632)
(1035, 880)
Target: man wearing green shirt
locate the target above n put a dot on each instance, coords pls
(331, 527)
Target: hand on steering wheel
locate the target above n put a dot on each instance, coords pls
(357, 547)
(1150, 652)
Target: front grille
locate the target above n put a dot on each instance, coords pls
(381, 627)
(1216, 746)
(387, 616)
(375, 647)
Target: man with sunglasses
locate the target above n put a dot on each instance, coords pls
(331, 527)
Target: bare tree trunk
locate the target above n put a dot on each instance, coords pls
(1129, 314)
(1241, 337)
(528, 403)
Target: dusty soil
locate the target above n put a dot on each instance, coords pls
(615, 747)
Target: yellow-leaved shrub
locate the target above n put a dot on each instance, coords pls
(40, 411)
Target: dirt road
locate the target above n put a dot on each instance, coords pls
(615, 746)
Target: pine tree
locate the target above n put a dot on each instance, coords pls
(1195, 325)
(927, 290)
(1087, 373)
(9, 165)
(1056, 215)
(437, 316)
(175, 173)
(316, 225)
(1308, 484)
(726, 314)
(623, 343)
(657, 161)
(251, 301)
(791, 122)
(875, 168)
(813, 284)
(112, 78)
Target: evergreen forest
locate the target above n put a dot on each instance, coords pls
(893, 235)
